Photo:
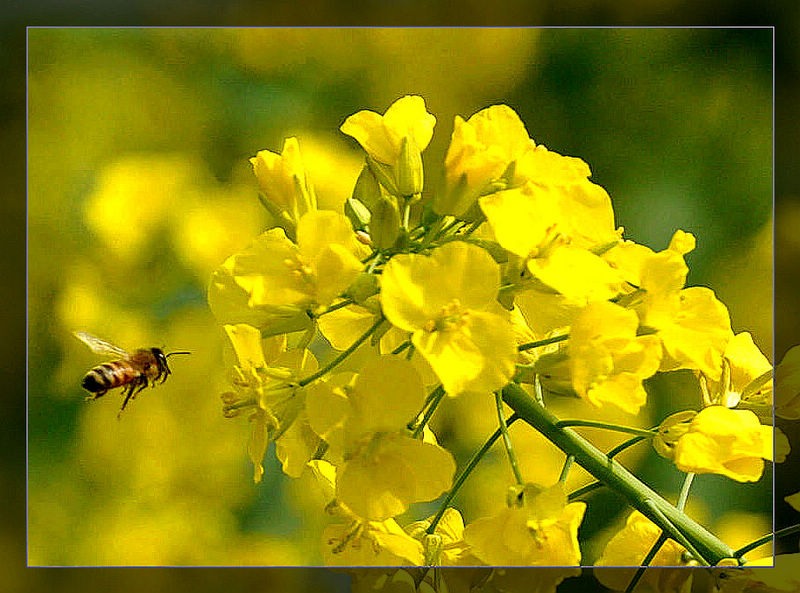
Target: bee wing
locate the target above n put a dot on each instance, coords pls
(101, 346)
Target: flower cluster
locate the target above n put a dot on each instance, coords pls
(513, 273)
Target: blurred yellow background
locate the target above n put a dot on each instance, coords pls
(139, 186)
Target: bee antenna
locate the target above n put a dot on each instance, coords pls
(178, 352)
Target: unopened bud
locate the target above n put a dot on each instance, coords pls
(365, 286)
(409, 169)
(385, 223)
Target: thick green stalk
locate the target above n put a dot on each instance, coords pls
(615, 476)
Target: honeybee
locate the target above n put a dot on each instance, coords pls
(135, 370)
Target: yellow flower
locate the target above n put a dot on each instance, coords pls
(381, 136)
(608, 360)
(272, 283)
(629, 547)
(556, 199)
(723, 441)
(360, 542)
(694, 326)
(448, 301)
(745, 365)
(384, 469)
(370, 543)
(539, 529)
(269, 391)
(394, 143)
(480, 151)
(451, 550)
(283, 180)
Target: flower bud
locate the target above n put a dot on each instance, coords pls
(409, 168)
(365, 286)
(385, 223)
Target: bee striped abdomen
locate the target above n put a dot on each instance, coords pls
(108, 376)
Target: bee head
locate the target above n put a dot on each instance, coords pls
(161, 360)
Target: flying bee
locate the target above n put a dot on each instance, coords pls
(132, 371)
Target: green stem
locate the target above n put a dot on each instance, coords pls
(767, 538)
(684, 495)
(605, 425)
(676, 533)
(575, 495)
(462, 477)
(339, 305)
(565, 470)
(615, 476)
(435, 397)
(474, 226)
(538, 393)
(335, 362)
(545, 342)
(512, 457)
(622, 446)
(402, 347)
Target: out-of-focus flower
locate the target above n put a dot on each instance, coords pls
(776, 574)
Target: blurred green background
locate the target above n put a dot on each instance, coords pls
(139, 186)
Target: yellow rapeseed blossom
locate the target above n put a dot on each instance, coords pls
(269, 391)
(694, 326)
(272, 283)
(384, 469)
(395, 140)
(370, 543)
(722, 441)
(481, 149)
(629, 547)
(557, 200)
(284, 182)
(451, 549)
(745, 364)
(359, 542)
(381, 135)
(608, 360)
(448, 301)
(538, 529)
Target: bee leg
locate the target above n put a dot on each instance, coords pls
(136, 386)
(94, 396)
